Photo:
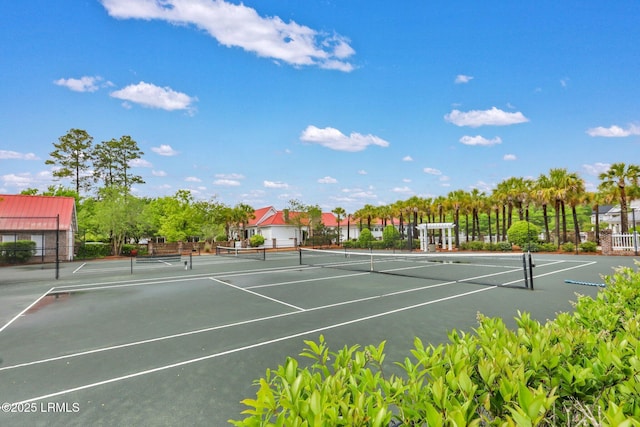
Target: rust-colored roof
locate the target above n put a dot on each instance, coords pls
(36, 213)
(260, 220)
(259, 216)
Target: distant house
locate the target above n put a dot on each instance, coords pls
(277, 232)
(610, 215)
(49, 221)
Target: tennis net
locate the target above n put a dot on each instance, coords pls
(248, 253)
(497, 269)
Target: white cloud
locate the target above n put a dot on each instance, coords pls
(140, 163)
(164, 150)
(273, 184)
(358, 193)
(328, 180)
(482, 186)
(564, 82)
(509, 157)
(362, 172)
(407, 180)
(461, 78)
(336, 140)
(492, 117)
(407, 159)
(226, 182)
(230, 176)
(444, 178)
(432, 171)
(192, 179)
(27, 179)
(480, 140)
(596, 168)
(237, 25)
(403, 190)
(83, 84)
(614, 131)
(150, 95)
(14, 155)
(158, 173)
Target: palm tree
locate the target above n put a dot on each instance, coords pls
(476, 202)
(543, 195)
(615, 181)
(457, 200)
(241, 215)
(339, 213)
(559, 179)
(575, 197)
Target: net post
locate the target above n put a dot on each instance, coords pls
(531, 271)
(191, 261)
(524, 269)
(371, 257)
(57, 246)
(300, 255)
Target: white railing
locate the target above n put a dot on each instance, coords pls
(625, 242)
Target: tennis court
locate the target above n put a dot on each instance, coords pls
(180, 342)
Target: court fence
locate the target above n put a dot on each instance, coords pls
(619, 244)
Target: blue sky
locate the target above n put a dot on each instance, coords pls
(335, 103)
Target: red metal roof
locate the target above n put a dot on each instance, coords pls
(20, 212)
(328, 219)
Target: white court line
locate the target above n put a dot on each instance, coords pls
(78, 269)
(229, 325)
(256, 294)
(249, 347)
(564, 269)
(319, 279)
(25, 310)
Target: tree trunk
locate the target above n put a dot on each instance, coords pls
(564, 222)
(547, 236)
(576, 226)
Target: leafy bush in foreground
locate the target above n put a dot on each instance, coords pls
(579, 369)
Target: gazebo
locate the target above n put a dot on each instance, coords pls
(424, 237)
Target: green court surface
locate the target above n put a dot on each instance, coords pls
(119, 343)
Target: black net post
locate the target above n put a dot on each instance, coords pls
(531, 271)
(524, 269)
(57, 246)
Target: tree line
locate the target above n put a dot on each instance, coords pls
(102, 179)
(545, 200)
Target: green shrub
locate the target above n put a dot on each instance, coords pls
(476, 246)
(588, 246)
(127, 248)
(256, 240)
(365, 239)
(91, 250)
(491, 247)
(390, 235)
(523, 232)
(578, 369)
(568, 247)
(531, 247)
(221, 238)
(548, 247)
(378, 244)
(505, 247)
(17, 252)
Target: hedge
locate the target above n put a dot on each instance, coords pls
(17, 252)
(92, 250)
(582, 368)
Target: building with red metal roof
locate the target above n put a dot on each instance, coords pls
(50, 221)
